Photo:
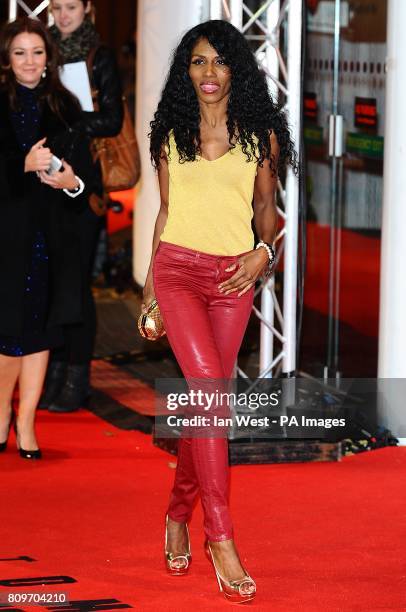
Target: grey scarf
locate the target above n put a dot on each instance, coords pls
(76, 47)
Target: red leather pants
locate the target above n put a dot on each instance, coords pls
(205, 330)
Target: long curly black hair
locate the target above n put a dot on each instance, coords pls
(251, 110)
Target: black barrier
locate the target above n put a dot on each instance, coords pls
(283, 408)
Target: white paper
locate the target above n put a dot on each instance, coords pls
(75, 77)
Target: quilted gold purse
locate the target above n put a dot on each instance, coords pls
(150, 324)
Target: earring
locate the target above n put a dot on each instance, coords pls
(44, 73)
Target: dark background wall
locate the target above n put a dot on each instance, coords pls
(116, 21)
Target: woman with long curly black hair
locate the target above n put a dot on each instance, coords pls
(218, 142)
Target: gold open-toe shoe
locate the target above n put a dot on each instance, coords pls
(177, 565)
(236, 591)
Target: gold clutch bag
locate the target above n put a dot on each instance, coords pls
(150, 323)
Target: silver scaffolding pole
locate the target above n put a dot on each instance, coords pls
(284, 77)
(392, 321)
(17, 8)
(12, 10)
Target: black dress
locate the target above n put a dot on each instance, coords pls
(35, 337)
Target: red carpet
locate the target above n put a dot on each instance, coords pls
(359, 286)
(123, 388)
(314, 536)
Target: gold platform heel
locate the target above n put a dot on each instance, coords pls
(177, 565)
(235, 591)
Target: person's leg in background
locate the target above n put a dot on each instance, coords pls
(72, 362)
(30, 382)
(9, 371)
(30, 371)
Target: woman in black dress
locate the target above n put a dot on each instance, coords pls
(40, 268)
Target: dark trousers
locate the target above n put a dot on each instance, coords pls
(205, 329)
(79, 338)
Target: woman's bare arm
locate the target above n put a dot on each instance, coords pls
(252, 265)
(163, 178)
(265, 212)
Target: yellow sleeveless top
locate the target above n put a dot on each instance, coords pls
(210, 202)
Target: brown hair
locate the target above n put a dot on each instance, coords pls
(91, 15)
(85, 2)
(51, 89)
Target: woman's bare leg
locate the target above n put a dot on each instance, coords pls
(9, 371)
(32, 375)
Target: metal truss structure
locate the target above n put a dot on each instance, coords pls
(262, 23)
(19, 8)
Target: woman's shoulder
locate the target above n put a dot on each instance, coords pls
(105, 67)
(104, 57)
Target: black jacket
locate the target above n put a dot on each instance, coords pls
(108, 120)
(26, 204)
(106, 80)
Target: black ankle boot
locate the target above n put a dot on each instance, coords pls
(56, 375)
(75, 392)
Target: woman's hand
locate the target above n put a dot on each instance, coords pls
(250, 267)
(60, 180)
(39, 158)
(148, 294)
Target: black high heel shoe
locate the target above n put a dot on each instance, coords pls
(26, 454)
(3, 445)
